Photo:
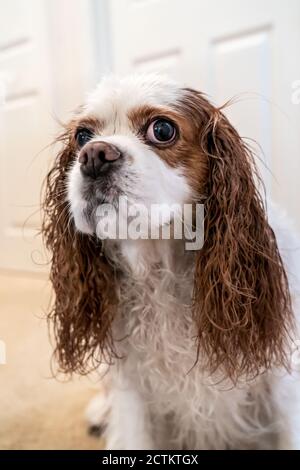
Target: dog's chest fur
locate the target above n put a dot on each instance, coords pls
(160, 351)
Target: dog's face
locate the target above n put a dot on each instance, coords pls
(134, 138)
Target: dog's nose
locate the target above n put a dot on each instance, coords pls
(96, 158)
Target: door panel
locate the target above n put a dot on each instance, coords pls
(248, 87)
(26, 127)
(42, 44)
(228, 49)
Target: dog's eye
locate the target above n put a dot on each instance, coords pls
(161, 131)
(83, 136)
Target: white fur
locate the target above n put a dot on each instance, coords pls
(76, 202)
(186, 408)
(114, 96)
(157, 398)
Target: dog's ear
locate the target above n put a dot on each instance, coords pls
(242, 304)
(82, 278)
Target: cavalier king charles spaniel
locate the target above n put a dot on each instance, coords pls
(199, 347)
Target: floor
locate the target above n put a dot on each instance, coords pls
(37, 411)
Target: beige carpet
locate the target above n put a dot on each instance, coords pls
(36, 410)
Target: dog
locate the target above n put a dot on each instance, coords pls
(196, 346)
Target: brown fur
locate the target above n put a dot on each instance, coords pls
(184, 152)
(242, 306)
(82, 279)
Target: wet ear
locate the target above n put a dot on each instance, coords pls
(242, 304)
(82, 279)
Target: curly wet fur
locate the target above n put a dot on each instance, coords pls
(82, 279)
(241, 294)
(193, 337)
(187, 406)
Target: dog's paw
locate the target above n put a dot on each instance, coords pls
(96, 430)
(96, 414)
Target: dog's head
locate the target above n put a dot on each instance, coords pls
(150, 140)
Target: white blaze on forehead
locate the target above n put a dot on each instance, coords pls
(115, 97)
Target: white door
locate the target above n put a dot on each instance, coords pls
(41, 44)
(24, 128)
(227, 48)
